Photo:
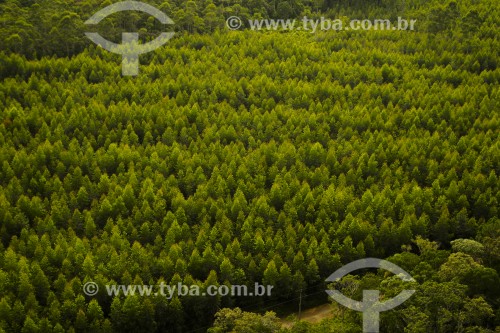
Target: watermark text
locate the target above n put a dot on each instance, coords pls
(321, 24)
(169, 291)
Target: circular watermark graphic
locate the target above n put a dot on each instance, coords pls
(234, 23)
(90, 288)
(130, 49)
(370, 306)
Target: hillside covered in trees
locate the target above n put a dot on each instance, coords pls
(238, 157)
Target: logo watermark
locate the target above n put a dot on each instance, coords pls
(234, 23)
(321, 24)
(165, 290)
(370, 306)
(130, 47)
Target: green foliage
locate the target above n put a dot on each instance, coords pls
(243, 157)
(235, 320)
(468, 246)
(37, 29)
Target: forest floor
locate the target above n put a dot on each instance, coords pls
(311, 315)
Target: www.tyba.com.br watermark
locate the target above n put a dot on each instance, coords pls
(321, 24)
(165, 290)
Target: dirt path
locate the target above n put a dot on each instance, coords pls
(312, 315)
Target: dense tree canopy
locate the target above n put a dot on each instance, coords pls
(47, 28)
(243, 157)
